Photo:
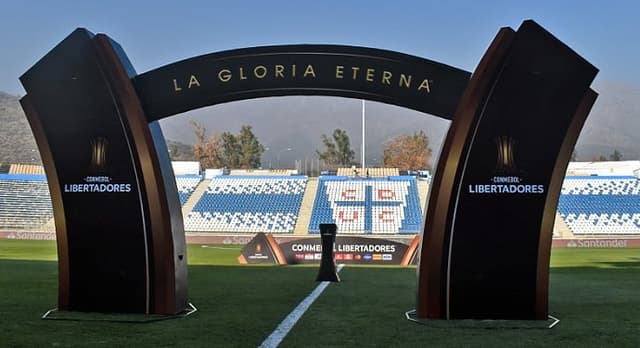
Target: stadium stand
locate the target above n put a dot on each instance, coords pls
(610, 168)
(248, 204)
(30, 169)
(373, 172)
(186, 185)
(262, 172)
(594, 205)
(367, 205)
(25, 203)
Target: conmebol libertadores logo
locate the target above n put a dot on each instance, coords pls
(98, 181)
(99, 155)
(507, 178)
(506, 162)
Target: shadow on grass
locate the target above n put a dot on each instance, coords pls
(598, 304)
(237, 306)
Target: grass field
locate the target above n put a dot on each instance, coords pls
(594, 292)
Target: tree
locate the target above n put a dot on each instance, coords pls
(179, 151)
(242, 150)
(407, 152)
(207, 150)
(601, 158)
(330, 154)
(250, 148)
(615, 156)
(227, 150)
(231, 150)
(337, 150)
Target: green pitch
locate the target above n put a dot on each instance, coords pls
(594, 292)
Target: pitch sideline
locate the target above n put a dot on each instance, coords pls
(287, 324)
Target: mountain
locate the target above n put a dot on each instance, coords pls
(291, 127)
(17, 144)
(297, 123)
(613, 124)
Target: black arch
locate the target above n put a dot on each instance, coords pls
(332, 70)
(120, 236)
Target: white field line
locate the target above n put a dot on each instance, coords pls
(287, 324)
(221, 248)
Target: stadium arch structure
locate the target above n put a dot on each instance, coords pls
(121, 244)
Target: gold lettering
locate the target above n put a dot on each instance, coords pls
(193, 81)
(242, 76)
(176, 88)
(355, 71)
(309, 71)
(279, 70)
(260, 71)
(293, 70)
(386, 77)
(425, 85)
(370, 74)
(224, 75)
(405, 80)
(339, 71)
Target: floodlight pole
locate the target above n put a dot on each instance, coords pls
(363, 136)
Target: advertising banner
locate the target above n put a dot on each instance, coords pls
(347, 250)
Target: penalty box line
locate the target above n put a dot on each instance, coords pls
(287, 324)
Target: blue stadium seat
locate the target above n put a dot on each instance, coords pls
(248, 204)
(25, 203)
(186, 185)
(594, 205)
(367, 205)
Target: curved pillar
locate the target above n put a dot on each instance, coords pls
(487, 237)
(486, 240)
(120, 245)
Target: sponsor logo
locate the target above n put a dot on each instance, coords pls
(597, 243)
(236, 240)
(507, 179)
(367, 257)
(32, 235)
(506, 164)
(360, 248)
(317, 256)
(98, 182)
(308, 256)
(258, 256)
(347, 249)
(501, 188)
(306, 247)
(81, 188)
(99, 147)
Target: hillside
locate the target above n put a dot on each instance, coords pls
(296, 123)
(17, 144)
(614, 123)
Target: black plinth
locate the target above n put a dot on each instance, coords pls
(327, 263)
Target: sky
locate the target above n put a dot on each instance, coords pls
(156, 33)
